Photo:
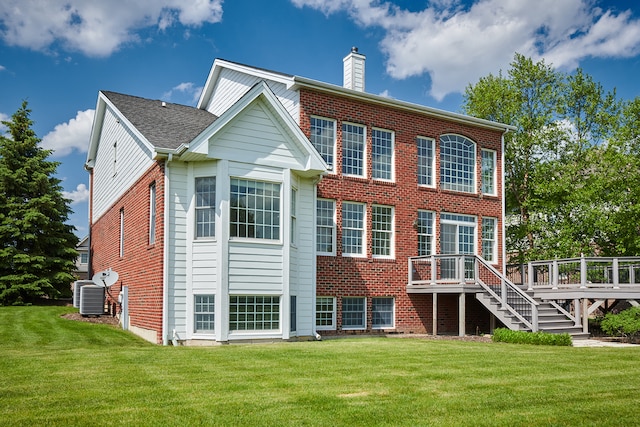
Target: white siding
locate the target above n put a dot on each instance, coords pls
(132, 160)
(255, 268)
(305, 258)
(231, 85)
(203, 267)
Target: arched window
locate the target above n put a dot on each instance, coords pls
(457, 163)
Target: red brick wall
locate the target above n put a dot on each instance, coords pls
(344, 276)
(141, 266)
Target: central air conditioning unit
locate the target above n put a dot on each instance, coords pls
(76, 290)
(91, 300)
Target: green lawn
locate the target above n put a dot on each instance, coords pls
(55, 371)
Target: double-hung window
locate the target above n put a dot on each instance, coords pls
(488, 172)
(255, 209)
(382, 312)
(457, 163)
(326, 227)
(205, 207)
(489, 247)
(382, 231)
(152, 213)
(353, 150)
(426, 161)
(353, 233)
(382, 154)
(204, 313)
(323, 138)
(354, 313)
(325, 313)
(294, 204)
(424, 226)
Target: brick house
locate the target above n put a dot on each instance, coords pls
(284, 207)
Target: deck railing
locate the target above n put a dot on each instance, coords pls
(583, 272)
(473, 270)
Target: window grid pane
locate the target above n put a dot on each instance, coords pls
(352, 150)
(457, 163)
(382, 312)
(425, 232)
(325, 226)
(425, 161)
(251, 313)
(325, 312)
(205, 207)
(204, 313)
(488, 238)
(382, 154)
(352, 228)
(323, 136)
(152, 213)
(353, 313)
(488, 171)
(382, 230)
(255, 209)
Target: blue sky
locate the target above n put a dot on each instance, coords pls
(58, 54)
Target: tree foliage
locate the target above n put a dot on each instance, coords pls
(37, 248)
(571, 165)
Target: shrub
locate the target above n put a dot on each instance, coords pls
(534, 338)
(625, 324)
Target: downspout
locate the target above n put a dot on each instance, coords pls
(504, 208)
(165, 255)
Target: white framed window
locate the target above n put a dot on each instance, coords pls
(457, 163)
(84, 258)
(382, 312)
(354, 313)
(425, 227)
(489, 240)
(203, 313)
(255, 209)
(488, 172)
(254, 312)
(294, 203)
(353, 150)
(382, 231)
(325, 313)
(325, 227)
(121, 252)
(353, 233)
(426, 161)
(382, 154)
(152, 213)
(205, 207)
(323, 137)
(457, 236)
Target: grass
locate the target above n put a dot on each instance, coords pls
(60, 372)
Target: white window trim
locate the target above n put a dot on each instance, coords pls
(333, 230)
(393, 314)
(459, 223)
(282, 211)
(363, 254)
(474, 174)
(209, 334)
(153, 217)
(332, 168)
(121, 250)
(392, 252)
(195, 210)
(364, 150)
(294, 217)
(495, 172)
(433, 161)
(331, 327)
(393, 154)
(355, 328)
(495, 239)
(433, 231)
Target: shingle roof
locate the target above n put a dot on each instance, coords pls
(166, 126)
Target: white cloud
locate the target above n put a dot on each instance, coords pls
(2, 68)
(96, 27)
(457, 44)
(79, 195)
(191, 91)
(3, 118)
(70, 136)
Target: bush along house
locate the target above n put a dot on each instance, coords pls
(288, 208)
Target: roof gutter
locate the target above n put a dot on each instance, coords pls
(303, 82)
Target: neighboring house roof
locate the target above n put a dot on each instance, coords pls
(163, 124)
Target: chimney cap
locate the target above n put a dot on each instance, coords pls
(354, 49)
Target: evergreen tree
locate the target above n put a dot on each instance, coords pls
(37, 247)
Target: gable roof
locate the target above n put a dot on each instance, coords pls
(163, 124)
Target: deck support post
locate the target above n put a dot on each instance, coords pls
(576, 311)
(434, 324)
(585, 315)
(461, 312)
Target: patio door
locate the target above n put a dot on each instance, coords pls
(457, 236)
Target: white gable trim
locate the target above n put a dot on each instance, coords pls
(199, 145)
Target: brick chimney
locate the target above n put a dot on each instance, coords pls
(354, 70)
